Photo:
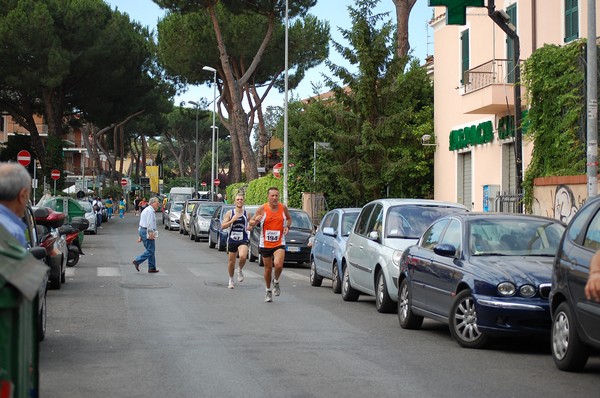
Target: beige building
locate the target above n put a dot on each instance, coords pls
(474, 94)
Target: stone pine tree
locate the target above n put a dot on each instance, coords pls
(403, 9)
(244, 42)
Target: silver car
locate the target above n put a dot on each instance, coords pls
(200, 219)
(383, 230)
(184, 218)
(172, 215)
(89, 215)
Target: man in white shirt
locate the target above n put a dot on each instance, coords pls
(147, 232)
(15, 187)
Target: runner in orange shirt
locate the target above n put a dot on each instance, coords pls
(276, 222)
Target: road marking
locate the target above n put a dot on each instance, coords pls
(109, 271)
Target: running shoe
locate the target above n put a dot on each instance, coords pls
(269, 296)
(231, 286)
(276, 288)
(240, 276)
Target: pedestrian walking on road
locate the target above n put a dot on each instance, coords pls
(147, 234)
(122, 207)
(276, 222)
(237, 242)
(136, 205)
(109, 206)
(15, 188)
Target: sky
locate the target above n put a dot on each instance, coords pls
(147, 13)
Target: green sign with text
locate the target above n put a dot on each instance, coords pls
(456, 10)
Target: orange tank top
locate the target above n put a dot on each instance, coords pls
(272, 222)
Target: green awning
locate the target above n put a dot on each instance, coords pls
(136, 187)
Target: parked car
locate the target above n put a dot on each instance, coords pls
(296, 241)
(200, 219)
(89, 215)
(484, 274)
(171, 215)
(217, 237)
(383, 230)
(41, 253)
(185, 215)
(47, 223)
(328, 247)
(575, 320)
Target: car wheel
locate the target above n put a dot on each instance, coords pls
(211, 244)
(220, 244)
(315, 279)
(568, 352)
(167, 226)
(251, 255)
(463, 322)
(407, 319)
(180, 231)
(41, 327)
(336, 280)
(383, 302)
(191, 234)
(348, 292)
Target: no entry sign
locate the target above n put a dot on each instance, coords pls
(55, 174)
(24, 158)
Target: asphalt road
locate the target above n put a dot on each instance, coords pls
(114, 332)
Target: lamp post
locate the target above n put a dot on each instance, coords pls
(212, 162)
(196, 160)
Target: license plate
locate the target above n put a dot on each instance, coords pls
(292, 249)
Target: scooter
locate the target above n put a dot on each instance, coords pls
(71, 233)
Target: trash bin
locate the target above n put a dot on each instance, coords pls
(20, 277)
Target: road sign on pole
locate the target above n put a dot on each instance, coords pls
(124, 181)
(277, 170)
(24, 158)
(55, 174)
(217, 181)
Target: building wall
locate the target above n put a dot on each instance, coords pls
(539, 22)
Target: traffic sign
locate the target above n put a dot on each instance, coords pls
(124, 182)
(203, 184)
(277, 170)
(217, 181)
(24, 158)
(55, 174)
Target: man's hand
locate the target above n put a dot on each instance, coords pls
(592, 287)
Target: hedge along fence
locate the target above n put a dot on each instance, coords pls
(255, 191)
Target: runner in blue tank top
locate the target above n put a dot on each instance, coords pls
(237, 243)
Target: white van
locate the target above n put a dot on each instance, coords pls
(181, 194)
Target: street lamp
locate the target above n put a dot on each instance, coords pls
(197, 105)
(212, 161)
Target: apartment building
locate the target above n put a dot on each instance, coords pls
(474, 91)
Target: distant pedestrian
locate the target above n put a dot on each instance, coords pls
(122, 207)
(276, 222)
(97, 206)
(143, 204)
(109, 206)
(147, 234)
(136, 205)
(237, 242)
(15, 188)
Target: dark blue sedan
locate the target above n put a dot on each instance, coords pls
(484, 274)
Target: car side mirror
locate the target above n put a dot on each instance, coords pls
(38, 252)
(374, 235)
(445, 249)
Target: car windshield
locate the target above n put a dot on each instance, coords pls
(410, 221)
(300, 220)
(509, 237)
(348, 222)
(87, 206)
(206, 210)
(177, 206)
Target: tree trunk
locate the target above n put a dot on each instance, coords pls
(403, 8)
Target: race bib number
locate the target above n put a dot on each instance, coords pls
(272, 236)
(236, 235)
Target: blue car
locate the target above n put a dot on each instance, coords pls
(329, 245)
(483, 274)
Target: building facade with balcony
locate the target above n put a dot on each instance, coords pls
(474, 80)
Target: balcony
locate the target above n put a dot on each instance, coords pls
(489, 88)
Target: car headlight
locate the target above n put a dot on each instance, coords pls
(396, 257)
(527, 291)
(506, 289)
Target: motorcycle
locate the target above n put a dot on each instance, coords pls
(71, 233)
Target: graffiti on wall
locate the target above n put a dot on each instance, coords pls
(566, 204)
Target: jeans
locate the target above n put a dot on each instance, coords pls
(150, 245)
